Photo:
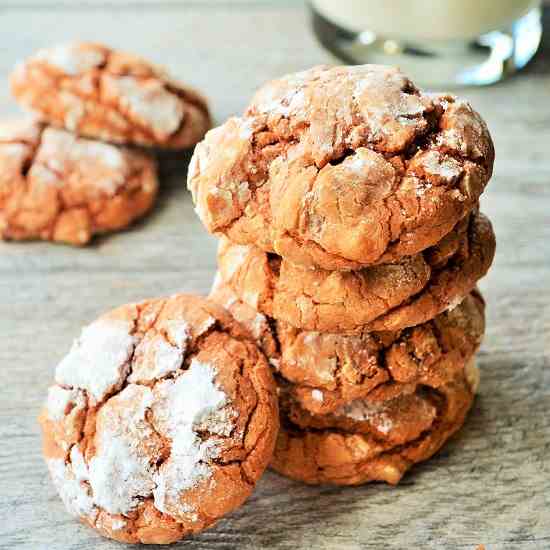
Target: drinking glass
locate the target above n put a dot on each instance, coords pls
(436, 42)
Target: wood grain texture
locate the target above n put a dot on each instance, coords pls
(491, 485)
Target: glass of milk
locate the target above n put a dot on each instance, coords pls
(436, 42)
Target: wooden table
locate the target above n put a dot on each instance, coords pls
(490, 485)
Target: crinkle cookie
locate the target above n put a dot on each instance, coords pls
(98, 92)
(342, 167)
(376, 298)
(263, 329)
(59, 187)
(327, 371)
(372, 441)
(162, 418)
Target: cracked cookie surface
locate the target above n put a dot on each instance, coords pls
(98, 92)
(342, 167)
(327, 371)
(372, 441)
(59, 187)
(162, 418)
(376, 298)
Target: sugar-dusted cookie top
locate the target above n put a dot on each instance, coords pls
(59, 187)
(162, 418)
(326, 371)
(98, 92)
(375, 298)
(342, 167)
(372, 441)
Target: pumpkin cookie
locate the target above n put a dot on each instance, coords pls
(59, 187)
(377, 298)
(98, 92)
(328, 370)
(342, 167)
(162, 419)
(372, 441)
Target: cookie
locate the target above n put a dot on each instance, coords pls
(377, 298)
(162, 418)
(342, 167)
(98, 92)
(372, 441)
(262, 328)
(327, 371)
(58, 187)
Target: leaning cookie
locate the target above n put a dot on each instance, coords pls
(56, 186)
(377, 298)
(366, 441)
(327, 371)
(342, 167)
(106, 94)
(162, 419)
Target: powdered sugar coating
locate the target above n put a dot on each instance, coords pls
(60, 151)
(189, 404)
(317, 395)
(74, 492)
(117, 524)
(99, 359)
(71, 59)
(178, 332)
(439, 165)
(121, 472)
(149, 103)
(362, 410)
(155, 358)
(259, 325)
(61, 399)
(20, 130)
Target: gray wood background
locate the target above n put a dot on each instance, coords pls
(491, 485)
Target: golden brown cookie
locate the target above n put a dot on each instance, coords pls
(376, 298)
(263, 329)
(327, 371)
(59, 187)
(372, 441)
(342, 167)
(162, 419)
(98, 92)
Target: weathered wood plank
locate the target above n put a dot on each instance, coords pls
(490, 485)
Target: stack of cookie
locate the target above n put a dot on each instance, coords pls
(347, 203)
(55, 183)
